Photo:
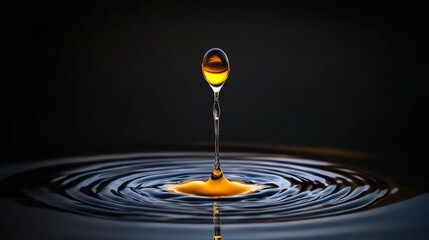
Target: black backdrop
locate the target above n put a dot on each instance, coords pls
(93, 77)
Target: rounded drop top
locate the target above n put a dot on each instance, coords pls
(215, 68)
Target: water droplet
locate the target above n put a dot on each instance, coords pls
(215, 68)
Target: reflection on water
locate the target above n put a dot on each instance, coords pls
(216, 220)
(134, 189)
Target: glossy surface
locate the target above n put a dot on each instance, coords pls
(138, 188)
(126, 197)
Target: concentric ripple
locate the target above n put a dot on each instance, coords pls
(132, 188)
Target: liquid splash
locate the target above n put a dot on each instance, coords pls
(214, 187)
(215, 68)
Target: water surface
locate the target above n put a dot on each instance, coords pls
(302, 198)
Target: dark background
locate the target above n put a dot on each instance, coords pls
(95, 77)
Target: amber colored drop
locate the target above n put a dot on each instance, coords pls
(215, 68)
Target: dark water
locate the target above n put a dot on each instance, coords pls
(122, 196)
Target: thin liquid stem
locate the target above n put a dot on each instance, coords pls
(216, 115)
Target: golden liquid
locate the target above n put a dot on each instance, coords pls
(215, 67)
(213, 187)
